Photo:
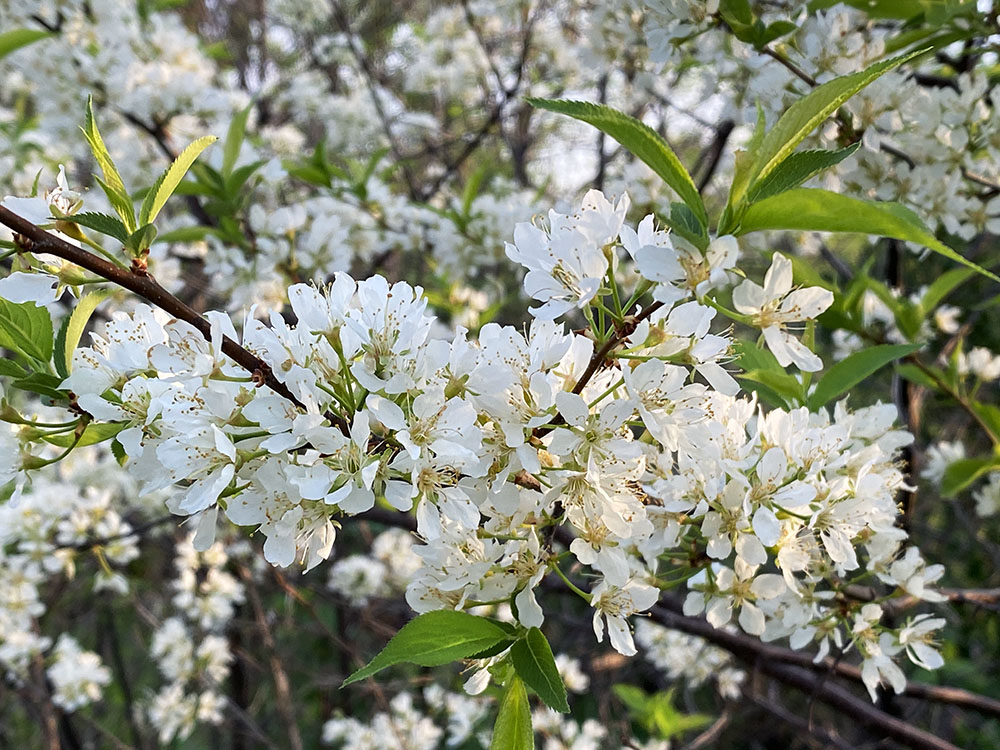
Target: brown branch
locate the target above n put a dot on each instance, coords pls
(35, 239)
(752, 649)
(714, 152)
(761, 656)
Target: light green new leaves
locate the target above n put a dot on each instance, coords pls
(854, 368)
(112, 183)
(72, 331)
(93, 433)
(433, 639)
(512, 730)
(812, 209)
(533, 660)
(640, 140)
(656, 712)
(16, 38)
(806, 114)
(234, 139)
(26, 329)
(171, 178)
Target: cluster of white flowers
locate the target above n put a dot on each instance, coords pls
(502, 438)
(43, 536)
(384, 572)
(499, 440)
(78, 677)
(191, 651)
(689, 658)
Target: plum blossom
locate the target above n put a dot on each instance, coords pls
(773, 306)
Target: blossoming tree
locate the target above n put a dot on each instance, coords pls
(580, 345)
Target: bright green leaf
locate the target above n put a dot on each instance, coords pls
(26, 329)
(17, 38)
(171, 178)
(112, 183)
(812, 209)
(807, 113)
(512, 730)
(78, 323)
(93, 433)
(533, 660)
(640, 140)
(435, 638)
(854, 368)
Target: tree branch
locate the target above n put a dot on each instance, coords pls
(31, 238)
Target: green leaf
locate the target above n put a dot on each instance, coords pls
(102, 223)
(796, 169)
(43, 384)
(184, 234)
(640, 140)
(93, 433)
(112, 183)
(141, 238)
(78, 323)
(685, 223)
(656, 712)
(766, 377)
(118, 451)
(11, 369)
(512, 730)
(854, 368)
(942, 286)
(915, 375)
(736, 11)
(812, 209)
(990, 415)
(807, 113)
(960, 474)
(774, 31)
(59, 350)
(121, 203)
(171, 178)
(17, 38)
(234, 139)
(435, 638)
(240, 175)
(533, 660)
(898, 9)
(26, 329)
(781, 384)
